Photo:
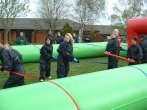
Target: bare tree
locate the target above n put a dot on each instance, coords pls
(9, 10)
(126, 9)
(52, 11)
(87, 12)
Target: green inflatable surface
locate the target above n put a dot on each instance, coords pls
(116, 89)
(31, 53)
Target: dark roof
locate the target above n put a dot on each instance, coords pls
(103, 29)
(38, 24)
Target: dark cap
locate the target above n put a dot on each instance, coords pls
(135, 39)
(145, 37)
(141, 36)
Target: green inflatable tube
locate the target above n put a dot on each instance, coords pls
(31, 53)
(116, 89)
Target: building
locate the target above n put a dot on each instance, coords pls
(36, 30)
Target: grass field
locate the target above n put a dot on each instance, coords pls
(85, 66)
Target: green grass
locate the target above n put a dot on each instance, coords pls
(85, 66)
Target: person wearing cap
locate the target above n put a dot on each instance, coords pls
(134, 52)
(144, 48)
(46, 54)
(65, 55)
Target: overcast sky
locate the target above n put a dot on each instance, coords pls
(34, 4)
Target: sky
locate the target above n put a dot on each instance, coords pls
(33, 7)
(103, 21)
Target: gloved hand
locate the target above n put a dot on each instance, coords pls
(106, 52)
(75, 60)
(54, 57)
(1, 68)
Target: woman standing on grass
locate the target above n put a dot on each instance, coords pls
(46, 55)
(65, 52)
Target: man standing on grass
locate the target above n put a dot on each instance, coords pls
(144, 48)
(116, 33)
(134, 52)
(112, 47)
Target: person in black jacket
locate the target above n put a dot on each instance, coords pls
(51, 37)
(21, 40)
(112, 47)
(11, 62)
(134, 52)
(65, 52)
(87, 39)
(7, 46)
(144, 48)
(75, 37)
(45, 59)
(59, 38)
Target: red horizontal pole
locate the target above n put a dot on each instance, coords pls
(120, 57)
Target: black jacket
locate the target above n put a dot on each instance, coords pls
(21, 41)
(59, 39)
(87, 39)
(10, 59)
(5, 59)
(65, 49)
(46, 52)
(75, 39)
(144, 47)
(134, 52)
(112, 46)
(18, 54)
(51, 37)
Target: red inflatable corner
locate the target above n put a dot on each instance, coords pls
(135, 28)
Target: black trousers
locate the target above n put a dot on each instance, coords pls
(144, 59)
(112, 62)
(138, 62)
(62, 67)
(15, 80)
(45, 68)
(117, 59)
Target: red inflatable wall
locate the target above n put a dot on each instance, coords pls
(135, 28)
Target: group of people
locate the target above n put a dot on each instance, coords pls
(65, 55)
(13, 63)
(12, 59)
(58, 38)
(22, 40)
(135, 52)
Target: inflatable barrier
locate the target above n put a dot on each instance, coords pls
(31, 53)
(135, 28)
(116, 89)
